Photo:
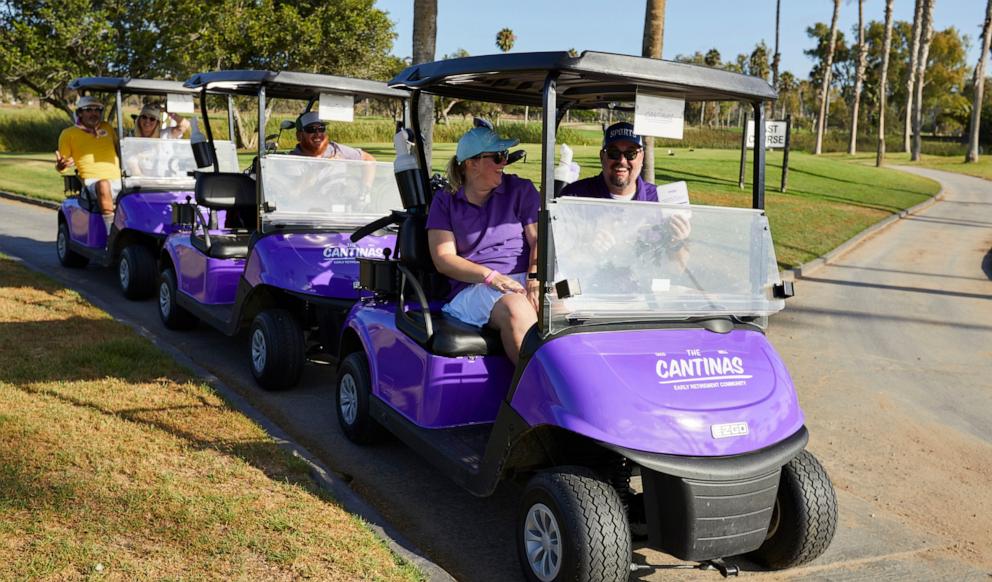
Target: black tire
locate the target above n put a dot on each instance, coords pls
(69, 258)
(173, 315)
(585, 514)
(276, 351)
(354, 386)
(136, 271)
(805, 516)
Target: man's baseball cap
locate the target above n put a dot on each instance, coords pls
(481, 139)
(88, 101)
(306, 119)
(621, 131)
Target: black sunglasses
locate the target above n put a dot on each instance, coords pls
(496, 157)
(315, 129)
(147, 118)
(615, 153)
(86, 109)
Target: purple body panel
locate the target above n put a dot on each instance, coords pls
(431, 391)
(145, 212)
(323, 264)
(663, 390)
(85, 228)
(149, 212)
(210, 281)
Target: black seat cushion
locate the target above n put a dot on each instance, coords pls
(453, 338)
(220, 190)
(223, 246)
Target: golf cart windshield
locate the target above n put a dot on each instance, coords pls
(622, 263)
(166, 163)
(305, 191)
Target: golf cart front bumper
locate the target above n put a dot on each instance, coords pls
(701, 508)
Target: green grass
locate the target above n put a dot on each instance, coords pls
(118, 464)
(980, 169)
(829, 198)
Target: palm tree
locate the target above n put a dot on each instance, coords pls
(505, 39)
(926, 35)
(821, 119)
(883, 84)
(777, 56)
(859, 78)
(979, 84)
(424, 42)
(914, 53)
(653, 40)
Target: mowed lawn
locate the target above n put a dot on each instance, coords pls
(117, 464)
(829, 199)
(980, 169)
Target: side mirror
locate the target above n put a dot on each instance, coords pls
(286, 124)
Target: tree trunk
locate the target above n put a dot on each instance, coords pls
(979, 87)
(653, 40)
(777, 57)
(883, 85)
(914, 51)
(926, 35)
(859, 78)
(821, 119)
(424, 43)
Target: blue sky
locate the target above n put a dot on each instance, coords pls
(731, 26)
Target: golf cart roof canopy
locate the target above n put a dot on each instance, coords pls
(588, 81)
(290, 85)
(129, 85)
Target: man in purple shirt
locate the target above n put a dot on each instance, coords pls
(622, 157)
(483, 236)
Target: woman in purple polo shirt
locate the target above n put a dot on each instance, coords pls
(483, 236)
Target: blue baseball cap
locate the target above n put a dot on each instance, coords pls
(621, 131)
(481, 139)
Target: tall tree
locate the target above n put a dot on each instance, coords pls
(424, 43)
(859, 78)
(926, 36)
(651, 45)
(883, 86)
(914, 54)
(777, 56)
(825, 84)
(978, 86)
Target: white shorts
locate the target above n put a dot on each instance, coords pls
(475, 303)
(115, 187)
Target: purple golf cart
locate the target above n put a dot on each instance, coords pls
(280, 263)
(154, 179)
(648, 406)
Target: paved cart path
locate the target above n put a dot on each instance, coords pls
(890, 347)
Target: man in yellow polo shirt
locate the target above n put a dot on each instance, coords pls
(91, 146)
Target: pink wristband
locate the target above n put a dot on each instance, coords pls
(490, 276)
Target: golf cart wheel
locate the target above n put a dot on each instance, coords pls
(572, 526)
(136, 272)
(173, 315)
(805, 516)
(276, 354)
(354, 387)
(68, 257)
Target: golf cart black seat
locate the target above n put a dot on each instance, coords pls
(451, 337)
(235, 193)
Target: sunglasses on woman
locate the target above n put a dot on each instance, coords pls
(496, 157)
(146, 118)
(615, 153)
(90, 109)
(315, 128)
